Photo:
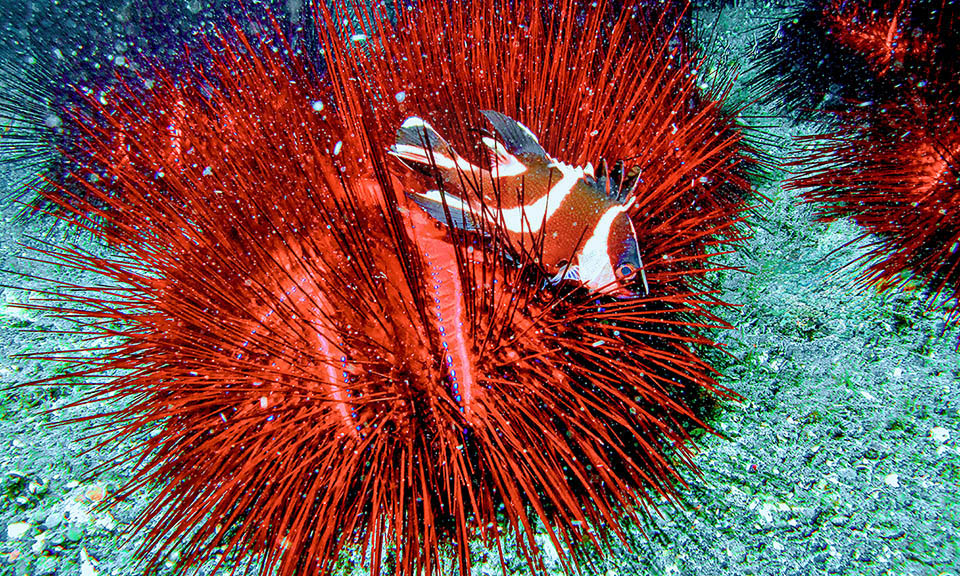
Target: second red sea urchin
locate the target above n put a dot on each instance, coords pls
(892, 163)
(322, 367)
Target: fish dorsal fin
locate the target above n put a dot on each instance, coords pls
(603, 170)
(616, 173)
(516, 138)
(629, 182)
(609, 181)
(621, 185)
(605, 175)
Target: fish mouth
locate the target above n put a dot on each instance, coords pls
(621, 292)
(625, 294)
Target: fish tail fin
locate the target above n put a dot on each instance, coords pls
(439, 205)
(419, 143)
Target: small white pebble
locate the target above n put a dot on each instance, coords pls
(939, 434)
(16, 530)
(766, 512)
(337, 147)
(401, 96)
(86, 563)
(317, 106)
(358, 38)
(107, 522)
(897, 372)
(39, 542)
(52, 121)
(868, 395)
(892, 480)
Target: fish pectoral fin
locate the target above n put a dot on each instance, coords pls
(418, 142)
(516, 138)
(461, 214)
(569, 273)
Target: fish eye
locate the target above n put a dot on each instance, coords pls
(626, 270)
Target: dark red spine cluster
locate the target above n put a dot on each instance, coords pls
(322, 366)
(833, 54)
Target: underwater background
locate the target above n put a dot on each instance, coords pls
(841, 458)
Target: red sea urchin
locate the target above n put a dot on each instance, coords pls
(893, 164)
(56, 54)
(323, 367)
(896, 172)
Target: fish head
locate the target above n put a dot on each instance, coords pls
(609, 261)
(623, 249)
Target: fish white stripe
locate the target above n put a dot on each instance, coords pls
(596, 270)
(419, 154)
(531, 217)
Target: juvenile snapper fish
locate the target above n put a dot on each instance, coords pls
(581, 224)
